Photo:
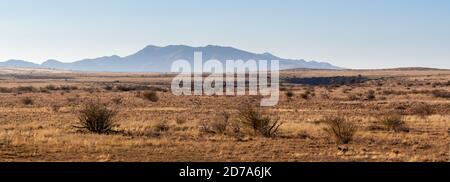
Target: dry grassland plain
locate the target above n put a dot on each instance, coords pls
(39, 112)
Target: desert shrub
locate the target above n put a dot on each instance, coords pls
(441, 94)
(204, 127)
(393, 122)
(338, 80)
(51, 87)
(151, 96)
(89, 89)
(289, 94)
(5, 90)
(97, 118)
(180, 120)
(236, 131)
(124, 88)
(26, 89)
(370, 95)
(161, 127)
(108, 87)
(218, 126)
(27, 101)
(341, 130)
(221, 123)
(311, 92)
(68, 87)
(304, 96)
(303, 135)
(262, 125)
(44, 90)
(421, 109)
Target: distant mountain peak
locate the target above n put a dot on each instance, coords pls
(159, 59)
(52, 61)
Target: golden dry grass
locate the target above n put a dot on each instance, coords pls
(43, 131)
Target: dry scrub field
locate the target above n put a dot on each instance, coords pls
(394, 115)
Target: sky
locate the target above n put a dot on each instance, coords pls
(346, 33)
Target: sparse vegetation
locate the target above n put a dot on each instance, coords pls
(289, 94)
(51, 87)
(422, 109)
(393, 122)
(26, 89)
(441, 94)
(161, 127)
(370, 95)
(338, 80)
(218, 126)
(341, 130)
(5, 90)
(169, 129)
(304, 96)
(108, 87)
(237, 133)
(97, 118)
(27, 101)
(151, 96)
(181, 120)
(260, 124)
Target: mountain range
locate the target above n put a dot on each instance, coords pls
(159, 59)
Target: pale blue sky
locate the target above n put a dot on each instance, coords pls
(347, 33)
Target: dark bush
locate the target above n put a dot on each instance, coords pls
(27, 101)
(441, 94)
(161, 127)
(68, 87)
(304, 96)
(290, 94)
(96, 117)
(108, 87)
(26, 89)
(370, 95)
(151, 96)
(5, 90)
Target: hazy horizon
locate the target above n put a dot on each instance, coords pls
(350, 34)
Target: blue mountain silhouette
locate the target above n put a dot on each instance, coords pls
(159, 59)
